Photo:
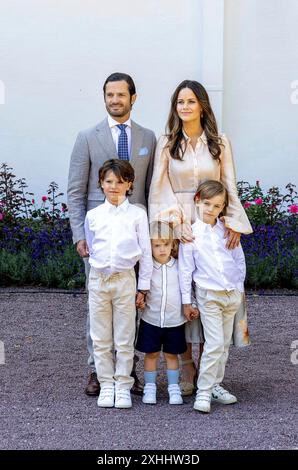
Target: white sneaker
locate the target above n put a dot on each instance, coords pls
(106, 396)
(220, 395)
(202, 402)
(122, 398)
(149, 394)
(175, 397)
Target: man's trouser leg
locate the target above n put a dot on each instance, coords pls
(91, 363)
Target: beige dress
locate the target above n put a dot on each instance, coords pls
(173, 185)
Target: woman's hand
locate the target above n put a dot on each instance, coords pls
(233, 238)
(184, 233)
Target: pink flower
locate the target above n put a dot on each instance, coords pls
(33, 201)
(247, 205)
(259, 201)
(44, 198)
(1, 216)
(293, 209)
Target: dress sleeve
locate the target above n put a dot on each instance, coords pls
(163, 204)
(145, 262)
(235, 218)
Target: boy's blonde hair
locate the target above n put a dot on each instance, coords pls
(163, 231)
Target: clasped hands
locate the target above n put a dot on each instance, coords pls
(190, 312)
(141, 300)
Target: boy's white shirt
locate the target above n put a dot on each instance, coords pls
(117, 238)
(163, 302)
(209, 263)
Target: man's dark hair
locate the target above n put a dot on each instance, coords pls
(121, 168)
(117, 77)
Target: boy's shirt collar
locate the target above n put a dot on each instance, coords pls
(203, 227)
(170, 263)
(122, 207)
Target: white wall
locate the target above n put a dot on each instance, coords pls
(55, 56)
(259, 111)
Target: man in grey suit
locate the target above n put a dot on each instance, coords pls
(115, 137)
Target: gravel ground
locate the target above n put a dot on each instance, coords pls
(42, 381)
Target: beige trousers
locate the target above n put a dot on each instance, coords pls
(217, 312)
(112, 325)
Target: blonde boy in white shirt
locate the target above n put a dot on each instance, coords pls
(117, 236)
(219, 275)
(162, 324)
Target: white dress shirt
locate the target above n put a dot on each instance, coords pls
(163, 302)
(116, 132)
(118, 237)
(209, 263)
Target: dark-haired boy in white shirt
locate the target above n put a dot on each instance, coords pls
(117, 236)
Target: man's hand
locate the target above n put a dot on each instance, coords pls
(184, 233)
(140, 300)
(233, 238)
(82, 248)
(190, 312)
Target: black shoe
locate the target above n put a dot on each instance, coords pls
(93, 387)
(137, 388)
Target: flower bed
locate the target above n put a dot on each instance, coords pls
(36, 245)
(271, 251)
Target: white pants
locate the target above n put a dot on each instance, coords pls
(217, 311)
(112, 325)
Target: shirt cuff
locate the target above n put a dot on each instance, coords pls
(186, 298)
(143, 284)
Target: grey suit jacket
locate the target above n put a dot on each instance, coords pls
(92, 148)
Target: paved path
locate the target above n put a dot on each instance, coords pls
(43, 405)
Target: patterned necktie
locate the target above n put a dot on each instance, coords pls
(122, 143)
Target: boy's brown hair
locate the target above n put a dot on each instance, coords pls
(210, 188)
(122, 169)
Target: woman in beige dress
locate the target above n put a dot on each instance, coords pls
(191, 152)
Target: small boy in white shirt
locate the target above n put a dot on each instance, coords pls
(219, 275)
(162, 325)
(117, 236)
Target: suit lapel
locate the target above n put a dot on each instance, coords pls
(105, 138)
(136, 140)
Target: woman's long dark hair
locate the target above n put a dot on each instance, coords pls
(176, 139)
